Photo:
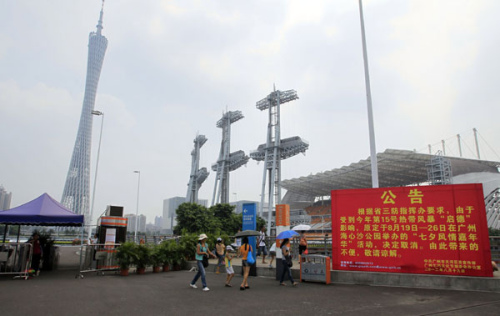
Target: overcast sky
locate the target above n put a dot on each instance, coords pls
(173, 67)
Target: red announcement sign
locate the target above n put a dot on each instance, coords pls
(421, 229)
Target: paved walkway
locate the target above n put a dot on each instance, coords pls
(60, 293)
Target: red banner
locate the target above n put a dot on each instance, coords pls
(420, 229)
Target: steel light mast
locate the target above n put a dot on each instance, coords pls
(227, 161)
(198, 176)
(275, 149)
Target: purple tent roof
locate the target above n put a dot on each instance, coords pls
(42, 211)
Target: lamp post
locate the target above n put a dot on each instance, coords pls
(137, 209)
(371, 128)
(97, 113)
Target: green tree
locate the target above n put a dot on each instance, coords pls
(229, 221)
(195, 218)
(218, 220)
(13, 230)
(261, 222)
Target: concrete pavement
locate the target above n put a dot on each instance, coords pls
(60, 293)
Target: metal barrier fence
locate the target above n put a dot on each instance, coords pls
(151, 239)
(98, 258)
(315, 268)
(15, 259)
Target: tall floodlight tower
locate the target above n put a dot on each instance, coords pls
(76, 189)
(227, 161)
(198, 176)
(275, 149)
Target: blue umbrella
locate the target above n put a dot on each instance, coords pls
(287, 234)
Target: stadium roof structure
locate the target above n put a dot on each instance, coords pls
(395, 168)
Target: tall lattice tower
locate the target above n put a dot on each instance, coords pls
(275, 149)
(76, 189)
(227, 161)
(198, 176)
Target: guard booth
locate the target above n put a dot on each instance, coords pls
(112, 230)
(315, 268)
(112, 227)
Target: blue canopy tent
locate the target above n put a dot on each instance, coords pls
(42, 211)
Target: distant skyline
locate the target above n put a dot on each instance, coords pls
(173, 67)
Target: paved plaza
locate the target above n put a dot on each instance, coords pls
(168, 293)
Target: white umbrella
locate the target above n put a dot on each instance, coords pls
(301, 227)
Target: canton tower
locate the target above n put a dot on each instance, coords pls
(76, 190)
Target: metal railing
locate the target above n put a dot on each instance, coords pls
(98, 258)
(15, 259)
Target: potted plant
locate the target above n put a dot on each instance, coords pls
(156, 258)
(188, 244)
(142, 259)
(166, 254)
(178, 256)
(126, 254)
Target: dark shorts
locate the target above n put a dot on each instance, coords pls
(302, 249)
(263, 250)
(244, 263)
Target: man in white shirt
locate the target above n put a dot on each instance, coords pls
(262, 244)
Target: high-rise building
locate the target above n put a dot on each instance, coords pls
(141, 224)
(76, 190)
(5, 198)
(158, 221)
(170, 206)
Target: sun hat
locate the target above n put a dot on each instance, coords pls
(202, 236)
(219, 239)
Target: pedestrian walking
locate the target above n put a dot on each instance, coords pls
(229, 265)
(220, 249)
(201, 250)
(286, 261)
(272, 253)
(302, 243)
(238, 241)
(243, 252)
(37, 252)
(261, 244)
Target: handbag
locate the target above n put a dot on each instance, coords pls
(250, 258)
(289, 261)
(205, 261)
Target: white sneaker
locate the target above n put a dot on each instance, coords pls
(193, 286)
(206, 289)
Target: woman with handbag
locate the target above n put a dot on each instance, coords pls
(243, 252)
(286, 260)
(201, 252)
